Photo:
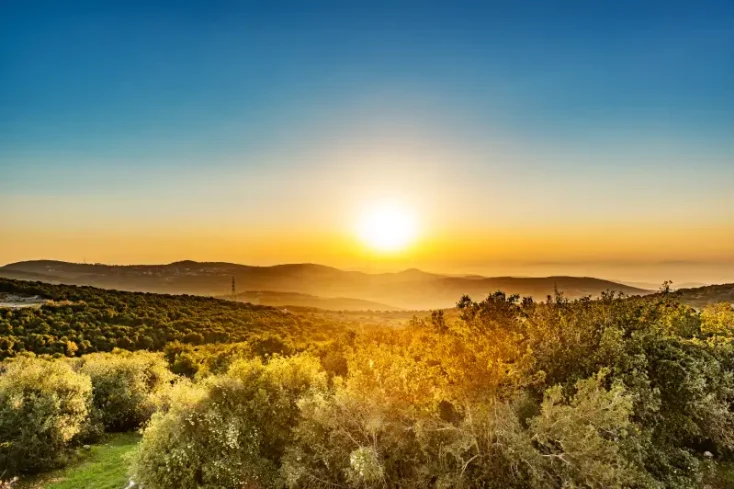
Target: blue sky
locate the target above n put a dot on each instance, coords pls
(136, 98)
(104, 78)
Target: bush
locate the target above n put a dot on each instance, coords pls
(718, 319)
(355, 439)
(202, 361)
(125, 386)
(43, 407)
(583, 439)
(229, 431)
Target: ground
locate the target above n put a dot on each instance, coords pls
(104, 466)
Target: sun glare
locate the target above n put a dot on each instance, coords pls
(387, 228)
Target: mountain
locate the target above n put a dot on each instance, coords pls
(278, 299)
(409, 289)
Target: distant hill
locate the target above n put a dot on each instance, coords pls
(278, 299)
(21, 275)
(711, 294)
(409, 289)
(656, 286)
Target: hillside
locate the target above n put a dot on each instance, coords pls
(711, 294)
(280, 299)
(76, 320)
(409, 289)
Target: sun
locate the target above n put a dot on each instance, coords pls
(387, 227)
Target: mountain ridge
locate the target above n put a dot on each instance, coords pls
(407, 289)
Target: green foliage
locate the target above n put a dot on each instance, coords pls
(201, 361)
(584, 439)
(619, 392)
(81, 320)
(125, 386)
(353, 439)
(718, 320)
(43, 407)
(681, 385)
(229, 431)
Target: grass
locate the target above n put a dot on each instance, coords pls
(104, 466)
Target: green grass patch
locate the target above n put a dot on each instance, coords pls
(104, 466)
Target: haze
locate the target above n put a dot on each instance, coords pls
(533, 140)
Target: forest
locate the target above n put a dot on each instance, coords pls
(76, 320)
(502, 392)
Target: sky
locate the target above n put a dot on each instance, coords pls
(522, 138)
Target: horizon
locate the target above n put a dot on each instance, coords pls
(643, 284)
(499, 140)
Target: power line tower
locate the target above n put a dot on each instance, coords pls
(234, 290)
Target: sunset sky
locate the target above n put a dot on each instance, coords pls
(525, 138)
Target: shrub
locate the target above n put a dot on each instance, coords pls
(205, 360)
(583, 438)
(125, 386)
(43, 407)
(350, 440)
(355, 439)
(231, 430)
(718, 319)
